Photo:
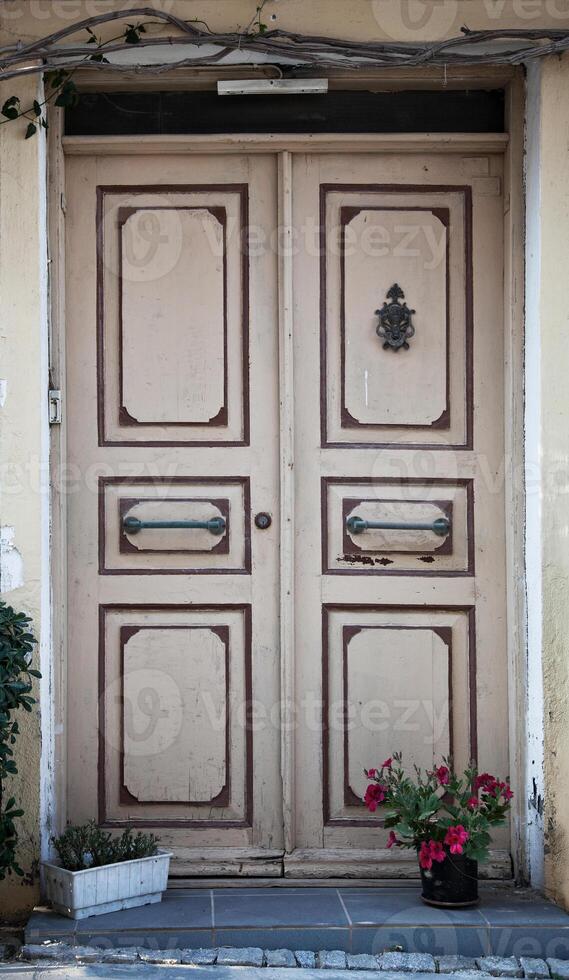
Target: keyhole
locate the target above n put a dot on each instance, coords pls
(263, 521)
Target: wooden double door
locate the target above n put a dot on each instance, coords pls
(187, 277)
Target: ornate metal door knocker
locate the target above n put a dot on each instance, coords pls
(395, 326)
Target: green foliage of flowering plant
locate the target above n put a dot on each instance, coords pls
(16, 681)
(87, 846)
(438, 813)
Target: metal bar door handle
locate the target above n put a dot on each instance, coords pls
(440, 526)
(216, 525)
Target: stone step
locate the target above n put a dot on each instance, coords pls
(355, 920)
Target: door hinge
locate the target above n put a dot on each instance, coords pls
(54, 400)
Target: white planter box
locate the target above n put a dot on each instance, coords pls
(94, 891)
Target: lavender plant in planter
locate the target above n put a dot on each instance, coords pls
(99, 873)
(444, 817)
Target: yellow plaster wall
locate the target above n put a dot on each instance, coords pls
(554, 317)
(22, 367)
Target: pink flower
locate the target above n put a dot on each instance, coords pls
(455, 838)
(486, 783)
(425, 859)
(371, 773)
(472, 803)
(392, 839)
(502, 789)
(443, 775)
(375, 794)
(387, 763)
(437, 850)
(429, 852)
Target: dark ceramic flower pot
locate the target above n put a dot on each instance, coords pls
(452, 883)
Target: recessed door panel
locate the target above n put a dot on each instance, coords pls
(173, 314)
(176, 525)
(173, 741)
(417, 666)
(388, 526)
(381, 396)
(396, 315)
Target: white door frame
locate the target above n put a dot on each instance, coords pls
(54, 803)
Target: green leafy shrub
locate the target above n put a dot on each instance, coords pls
(16, 680)
(88, 846)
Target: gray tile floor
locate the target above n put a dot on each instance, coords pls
(356, 919)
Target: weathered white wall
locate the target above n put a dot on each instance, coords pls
(534, 776)
(24, 496)
(549, 561)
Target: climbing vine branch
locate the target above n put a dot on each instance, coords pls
(60, 86)
(59, 55)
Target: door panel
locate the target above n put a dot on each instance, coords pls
(425, 230)
(172, 735)
(173, 420)
(195, 551)
(174, 293)
(397, 551)
(400, 631)
(391, 673)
